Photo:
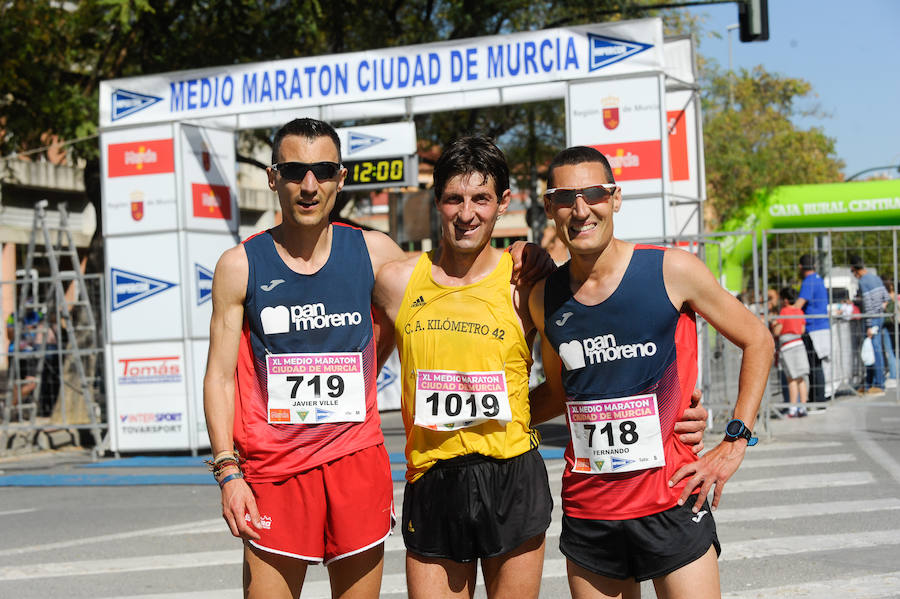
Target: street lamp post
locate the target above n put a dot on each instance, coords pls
(730, 28)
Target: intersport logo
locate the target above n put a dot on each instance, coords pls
(278, 319)
(576, 354)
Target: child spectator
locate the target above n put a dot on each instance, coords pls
(793, 361)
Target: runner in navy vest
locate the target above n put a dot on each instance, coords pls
(620, 353)
(290, 383)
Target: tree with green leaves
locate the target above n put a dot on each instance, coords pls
(751, 143)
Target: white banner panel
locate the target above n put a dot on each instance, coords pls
(138, 181)
(640, 218)
(621, 118)
(150, 396)
(209, 179)
(390, 389)
(525, 58)
(681, 123)
(377, 141)
(199, 350)
(144, 286)
(203, 252)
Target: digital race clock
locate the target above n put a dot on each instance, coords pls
(378, 172)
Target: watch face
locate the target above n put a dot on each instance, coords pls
(733, 428)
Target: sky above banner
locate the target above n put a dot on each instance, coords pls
(521, 59)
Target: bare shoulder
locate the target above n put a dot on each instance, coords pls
(391, 282)
(382, 249)
(232, 272)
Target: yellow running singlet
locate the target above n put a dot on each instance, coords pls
(465, 365)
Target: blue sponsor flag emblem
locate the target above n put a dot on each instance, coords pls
(385, 378)
(203, 278)
(320, 413)
(361, 141)
(620, 462)
(125, 103)
(605, 51)
(129, 288)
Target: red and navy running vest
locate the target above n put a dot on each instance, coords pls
(342, 286)
(638, 312)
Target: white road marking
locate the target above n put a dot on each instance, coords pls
(802, 481)
(873, 586)
(22, 511)
(790, 446)
(105, 538)
(806, 460)
(756, 548)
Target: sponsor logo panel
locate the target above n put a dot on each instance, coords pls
(129, 288)
(604, 51)
(150, 157)
(203, 278)
(149, 370)
(211, 201)
(633, 161)
(126, 102)
(576, 354)
(361, 141)
(678, 146)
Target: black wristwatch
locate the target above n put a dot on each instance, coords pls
(736, 429)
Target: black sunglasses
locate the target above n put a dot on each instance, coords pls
(595, 194)
(296, 171)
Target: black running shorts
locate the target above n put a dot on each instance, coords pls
(474, 506)
(640, 548)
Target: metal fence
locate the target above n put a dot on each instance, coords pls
(52, 390)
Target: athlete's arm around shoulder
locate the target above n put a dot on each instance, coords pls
(688, 281)
(228, 293)
(548, 400)
(382, 250)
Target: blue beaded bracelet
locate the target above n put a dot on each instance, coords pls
(230, 477)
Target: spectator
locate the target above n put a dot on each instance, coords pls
(813, 300)
(888, 337)
(874, 299)
(794, 364)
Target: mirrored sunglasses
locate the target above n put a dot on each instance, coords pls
(595, 194)
(296, 171)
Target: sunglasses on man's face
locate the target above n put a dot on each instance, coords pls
(595, 194)
(296, 171)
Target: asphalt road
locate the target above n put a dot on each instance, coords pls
(814, 511)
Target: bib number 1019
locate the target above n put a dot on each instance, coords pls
(471, 405)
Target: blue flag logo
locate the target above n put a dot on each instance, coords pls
(129, 288)
(361, 141)
(125, 103)
(620, 462)
(321, 414)
(605, 51)
(203, 278)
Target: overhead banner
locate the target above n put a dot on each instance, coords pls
(519, 59)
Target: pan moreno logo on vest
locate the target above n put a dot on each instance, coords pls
(576, 354)
(278, 319)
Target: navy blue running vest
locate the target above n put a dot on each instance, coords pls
(625, 343)
(329, 310)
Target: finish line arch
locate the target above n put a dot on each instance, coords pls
(169, 179)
